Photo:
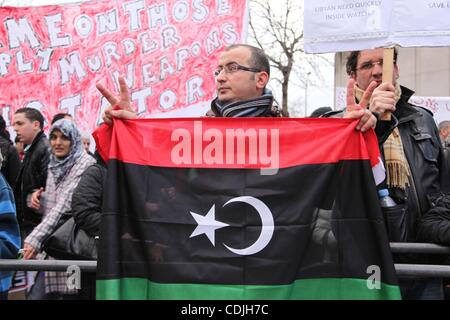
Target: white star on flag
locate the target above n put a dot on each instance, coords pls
(207, 224)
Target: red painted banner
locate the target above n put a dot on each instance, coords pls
(51, 57)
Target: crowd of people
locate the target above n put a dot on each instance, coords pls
(55, 178)
(44, 180)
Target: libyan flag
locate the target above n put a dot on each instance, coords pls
(242, 208)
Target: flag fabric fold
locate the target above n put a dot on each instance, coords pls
(242, 209)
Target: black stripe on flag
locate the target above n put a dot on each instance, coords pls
(327, 224)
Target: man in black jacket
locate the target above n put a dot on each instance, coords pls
(411, 148)
(435, 224)
(435, 227)
(29, 124)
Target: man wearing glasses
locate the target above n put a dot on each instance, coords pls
(242, 74)
(415, 169)
(241, 77)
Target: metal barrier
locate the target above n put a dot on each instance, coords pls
(403, 270)
(410, 247)
(46, 265)
(422, 270)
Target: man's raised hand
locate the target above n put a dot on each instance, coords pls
(359, 111)
(120, 106)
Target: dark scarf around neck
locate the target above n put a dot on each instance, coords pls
(261, 106)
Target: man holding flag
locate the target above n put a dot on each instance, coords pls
(241, 209)
(241, 77)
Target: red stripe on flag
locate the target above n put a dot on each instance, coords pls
(220, 143)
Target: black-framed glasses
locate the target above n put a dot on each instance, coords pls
(369, 65)
(233, 67)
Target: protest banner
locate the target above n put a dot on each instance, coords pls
(51, 57)
(346, 25)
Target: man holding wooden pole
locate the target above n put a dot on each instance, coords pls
(410, 145)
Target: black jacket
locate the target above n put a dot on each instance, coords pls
(11, 161)
(32, 176)
(435, 224)
(424, 153)
(87, 199)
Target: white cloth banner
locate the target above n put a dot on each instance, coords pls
(346, 25)
(440, 106)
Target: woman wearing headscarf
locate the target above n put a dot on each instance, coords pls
(68, 161)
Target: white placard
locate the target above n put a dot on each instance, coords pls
(345, 25)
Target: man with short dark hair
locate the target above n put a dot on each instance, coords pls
(242, 74)
(28, 124)
(241, 77)
(415, 168)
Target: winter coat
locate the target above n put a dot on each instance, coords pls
(32, 176)
(423, 150)
(435, 224)
(424, 153)
(87, 199)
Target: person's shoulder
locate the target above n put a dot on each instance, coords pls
(425, 121)
(12, 149)
(4, 141)
(96, 168)
(333, 114)
(426, 115)
(92, 175)
(41, 137)
(406, 97)
(4, 186)
(41, 145)
(86, 161)
(424, 111)
(3, 182)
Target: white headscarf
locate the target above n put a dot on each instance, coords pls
(60, 167)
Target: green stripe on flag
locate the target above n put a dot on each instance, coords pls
(306, 289)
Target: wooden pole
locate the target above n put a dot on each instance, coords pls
(388, 69)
